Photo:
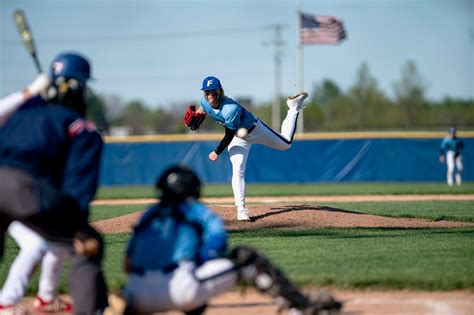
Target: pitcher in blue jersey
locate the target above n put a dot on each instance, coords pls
(177, 260)
(451, 153)
(232, 116)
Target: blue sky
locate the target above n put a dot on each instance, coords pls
(159, 51)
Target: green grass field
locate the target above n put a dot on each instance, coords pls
(127, 192)
(358, 258)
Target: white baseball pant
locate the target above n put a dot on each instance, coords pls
(186, 288)
(452, 161)
(33, 249)
(261, 134)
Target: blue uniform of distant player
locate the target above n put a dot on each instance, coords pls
(451, 153)
(232, 116)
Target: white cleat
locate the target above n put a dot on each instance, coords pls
(243, 215)
(296, 101)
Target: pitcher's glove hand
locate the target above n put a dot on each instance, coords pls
(193, 119)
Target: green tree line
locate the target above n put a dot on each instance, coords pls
(364, 106)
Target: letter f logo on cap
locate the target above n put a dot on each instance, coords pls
(211, 83)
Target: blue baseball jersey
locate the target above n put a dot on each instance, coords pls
(54, 144)
(229, 114)
(167, 235)
(452, 144)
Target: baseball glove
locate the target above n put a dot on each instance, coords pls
(193, 119)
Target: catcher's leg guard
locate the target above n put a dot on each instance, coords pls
(198, 311)
(267, 278)
(322, 303)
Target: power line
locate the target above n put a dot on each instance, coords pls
(145, 37)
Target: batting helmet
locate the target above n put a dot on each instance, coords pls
(70, 65)
(69, 73)
(211, 83)
(178, 183)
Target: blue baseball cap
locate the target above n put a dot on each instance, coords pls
(211, 83)
(452, 130)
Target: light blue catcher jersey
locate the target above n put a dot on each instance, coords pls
(164, 237)
(230, 114)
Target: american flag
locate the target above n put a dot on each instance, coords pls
(321, 30)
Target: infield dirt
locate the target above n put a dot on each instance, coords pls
(293, 212)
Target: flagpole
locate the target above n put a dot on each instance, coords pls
(299, 63)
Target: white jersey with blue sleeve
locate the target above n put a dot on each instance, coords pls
(229, 114)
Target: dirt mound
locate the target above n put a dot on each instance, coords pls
(290, 216)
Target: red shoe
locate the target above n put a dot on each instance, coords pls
(56, 305)
(11, 310)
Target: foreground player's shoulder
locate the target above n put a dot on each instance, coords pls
(196, 211)
(80, 125)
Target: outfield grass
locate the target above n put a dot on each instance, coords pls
(431, 210)
(428, 259)
(299, 189)
(361, 258)
(103, 212)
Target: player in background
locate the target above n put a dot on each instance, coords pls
(233, 117)
(34, 249)
(451, 153)
(49, 169)
(176, 258)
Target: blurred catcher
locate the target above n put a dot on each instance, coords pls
(49, 168)
(176, 259)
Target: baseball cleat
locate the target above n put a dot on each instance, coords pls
(56, 305)
(296, 101)
(243, 215)
(117, 305)
(12, 310)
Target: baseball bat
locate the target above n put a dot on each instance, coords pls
(26, 36)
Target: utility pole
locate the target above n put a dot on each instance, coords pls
(277, 44)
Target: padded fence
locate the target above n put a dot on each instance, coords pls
(308, 161)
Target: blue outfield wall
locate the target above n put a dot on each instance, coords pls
(308, 161)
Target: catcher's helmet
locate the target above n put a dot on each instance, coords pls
(70, 65)
(178, 183)
(211, 83)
